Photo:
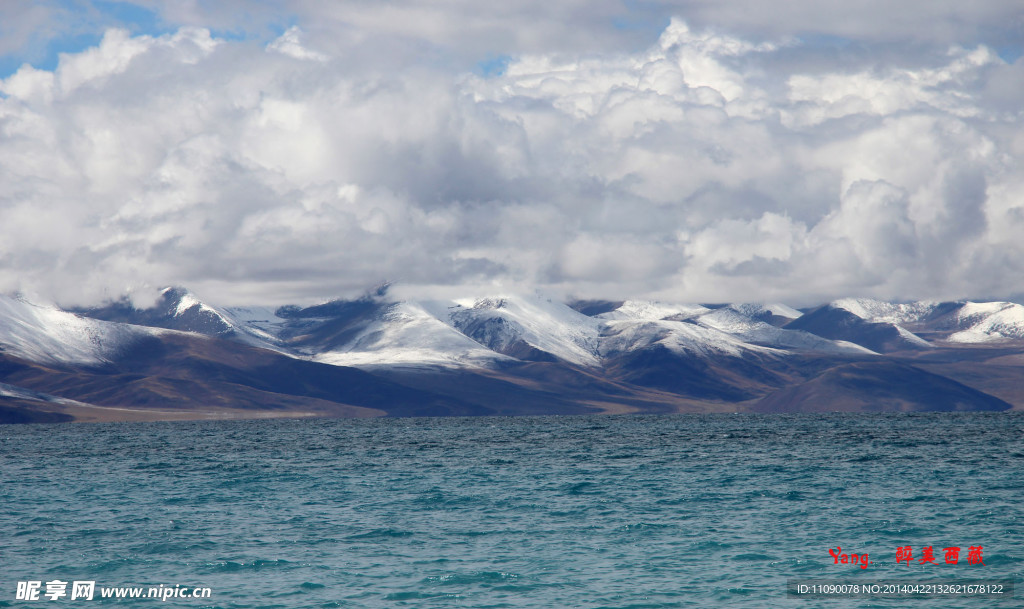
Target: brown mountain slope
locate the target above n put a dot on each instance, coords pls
(884, 386)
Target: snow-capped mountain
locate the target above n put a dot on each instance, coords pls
(742, 322)
(641, 310)
(836, 321)
(776, 314)
(987, 322)
(178, 309)
(493, 331)
(887, 312)
(676, 336)
(526, 327)
(496, 330)
(405, 334)
(730, 329)
(959, 322)
(502, 353)
(46, 334)
(175, 309)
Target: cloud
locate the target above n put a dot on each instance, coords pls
(876, 22)
(290, 43)
(708, 164)
(24, 26)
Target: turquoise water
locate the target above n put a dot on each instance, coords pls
(603, 511)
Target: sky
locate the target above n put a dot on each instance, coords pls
(271, 152)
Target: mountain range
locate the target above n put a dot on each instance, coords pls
(184, 358)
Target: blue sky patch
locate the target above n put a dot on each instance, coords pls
(76, 30)
(493, 67)
(137, 19)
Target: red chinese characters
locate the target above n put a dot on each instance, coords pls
(974, 555)
(907, 554)
(927, 555)
(904, 554)
(952, 555)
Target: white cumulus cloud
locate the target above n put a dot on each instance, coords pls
(711, 163)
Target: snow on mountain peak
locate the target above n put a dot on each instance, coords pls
(539, 322)
(490, 303)
(410, 336)
(187, 301)
(872, 310)
(970, 322)
(643, 310)
(989, 321)
(742, 322)
(759, 309)
(621, 336)
(972, 313)
(48, 335)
